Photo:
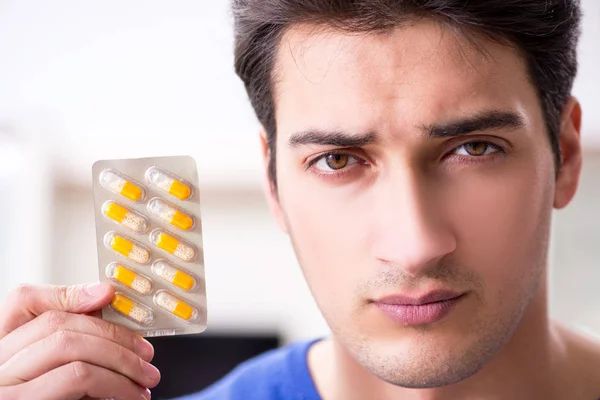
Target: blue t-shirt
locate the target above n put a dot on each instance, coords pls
(280, 374)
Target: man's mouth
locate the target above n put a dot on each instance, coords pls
(425, 308)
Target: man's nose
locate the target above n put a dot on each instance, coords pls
(409, 228)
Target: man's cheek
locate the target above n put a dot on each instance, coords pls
(328, 246)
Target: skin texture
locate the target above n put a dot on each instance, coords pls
(412, 207)
(54, 346)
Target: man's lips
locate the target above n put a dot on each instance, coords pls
(426, 308)
(428, 297)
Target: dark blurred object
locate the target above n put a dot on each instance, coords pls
(190, 363)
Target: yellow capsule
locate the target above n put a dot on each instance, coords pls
(132, 310)
(170, 214)
(175, 306)
(125, 217)
(127, 247)
(169, 183)
(174, 275)
(120, 184)
(172, 245)
(129, 278)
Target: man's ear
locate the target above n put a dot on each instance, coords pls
(269, 187)
(571, 154)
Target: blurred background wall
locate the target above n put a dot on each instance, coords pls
(88, 80)
(92, 80)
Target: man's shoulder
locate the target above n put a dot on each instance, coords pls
(584, 349)
(583, 371)
(270, 376)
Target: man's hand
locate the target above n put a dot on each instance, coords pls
(51, 348)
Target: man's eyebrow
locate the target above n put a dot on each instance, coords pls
(333, 138)
(481, 122)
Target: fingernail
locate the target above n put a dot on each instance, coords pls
(151, 371)
(146, 395)
(143, 348)
(95, 290)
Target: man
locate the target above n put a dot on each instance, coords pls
(414, 151)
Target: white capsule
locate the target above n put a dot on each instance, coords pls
(129, 278)
(125, 217)
(170, 214)
(174, 275)
(127, 247)
(172, 245)
(175, 306)
(132, 310)
(120, 184)
(169, 183)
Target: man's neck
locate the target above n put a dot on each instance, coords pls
(535, 363)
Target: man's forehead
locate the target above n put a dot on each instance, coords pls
(326, 74)
(313, 50)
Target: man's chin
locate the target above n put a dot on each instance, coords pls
(421, 367)
(426, 359)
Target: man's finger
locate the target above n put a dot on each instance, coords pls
(55, 321)
(96, 314)
(27, 302)
(75, 381)
(65, 347)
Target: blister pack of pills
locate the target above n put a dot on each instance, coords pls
(149, 241)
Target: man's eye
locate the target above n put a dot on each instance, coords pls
(476, 149)
(334, 161)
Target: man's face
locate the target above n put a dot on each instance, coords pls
(409, 163)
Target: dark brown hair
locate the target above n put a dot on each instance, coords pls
(545, 32)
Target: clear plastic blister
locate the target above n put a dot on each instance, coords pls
(149, 239)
